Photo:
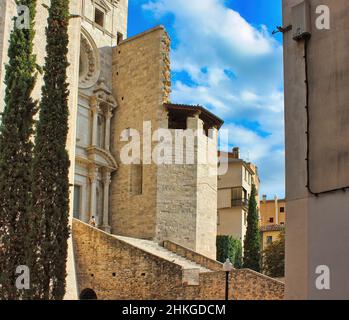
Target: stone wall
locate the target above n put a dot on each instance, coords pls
(193, 256)
(243, 284)
(116, 270)
(187, 193)
(206, 231)
(141, 84)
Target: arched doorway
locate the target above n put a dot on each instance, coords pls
(88, 294)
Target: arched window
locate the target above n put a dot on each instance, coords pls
(99, 204)
(88, 294)
(99, 17)
(100, 131)
(77, 202)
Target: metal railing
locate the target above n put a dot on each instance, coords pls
(239, 203)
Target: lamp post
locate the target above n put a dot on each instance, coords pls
(227, 267)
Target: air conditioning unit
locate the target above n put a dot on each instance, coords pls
(301, 25)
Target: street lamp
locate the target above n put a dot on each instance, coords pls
(227, 267)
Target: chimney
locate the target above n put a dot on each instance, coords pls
(276, 209)
(264, 198)
(236, 153)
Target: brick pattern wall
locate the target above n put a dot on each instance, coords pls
(187, 193)
(141, 85)
(116, 270)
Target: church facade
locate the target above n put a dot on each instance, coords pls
(156, 215)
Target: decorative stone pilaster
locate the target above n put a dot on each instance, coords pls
(108, 117)
(94, 110)
(107, 180)
(94, 125)
(93, 176)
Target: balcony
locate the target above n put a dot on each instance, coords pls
(239, 203)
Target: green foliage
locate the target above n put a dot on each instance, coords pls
(16, 151)
(50, 229)
(228, 247)
(252, 254)
(274, 258)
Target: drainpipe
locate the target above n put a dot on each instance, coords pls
(276, 210)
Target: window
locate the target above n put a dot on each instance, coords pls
(282, 223)
(177, 121)
(100, 133)
(77, 202)
(245, 196)
(271, 220)
(245, 218)
(119, 37)
(269, 240)
(136, 179)
(282, 209)
(99, 201)
(99, 17)
(239, 197)
(126, 133)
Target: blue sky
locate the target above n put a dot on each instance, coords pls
(225, 58)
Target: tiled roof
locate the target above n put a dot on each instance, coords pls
(206, 115)
(273, 227)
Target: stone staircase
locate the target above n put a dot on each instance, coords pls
(191, 270)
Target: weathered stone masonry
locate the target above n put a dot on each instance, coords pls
(178, 202)
(117, 270)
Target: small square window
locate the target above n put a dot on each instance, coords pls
(269, 240)
(120, 37)
(282, 209)
(271, 220)
(99, 17)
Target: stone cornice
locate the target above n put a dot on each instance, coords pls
(112, 164)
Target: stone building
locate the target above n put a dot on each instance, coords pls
(156, 215)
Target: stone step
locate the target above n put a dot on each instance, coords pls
(155, 249)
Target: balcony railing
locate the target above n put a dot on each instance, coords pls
(239, 203)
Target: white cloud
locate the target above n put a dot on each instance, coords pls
(236, 71)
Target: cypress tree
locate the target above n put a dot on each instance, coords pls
(252, 254)
(51, 162)
(228, 247)
(16, 150)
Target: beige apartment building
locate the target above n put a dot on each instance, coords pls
(234, 189)
(316, 67)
